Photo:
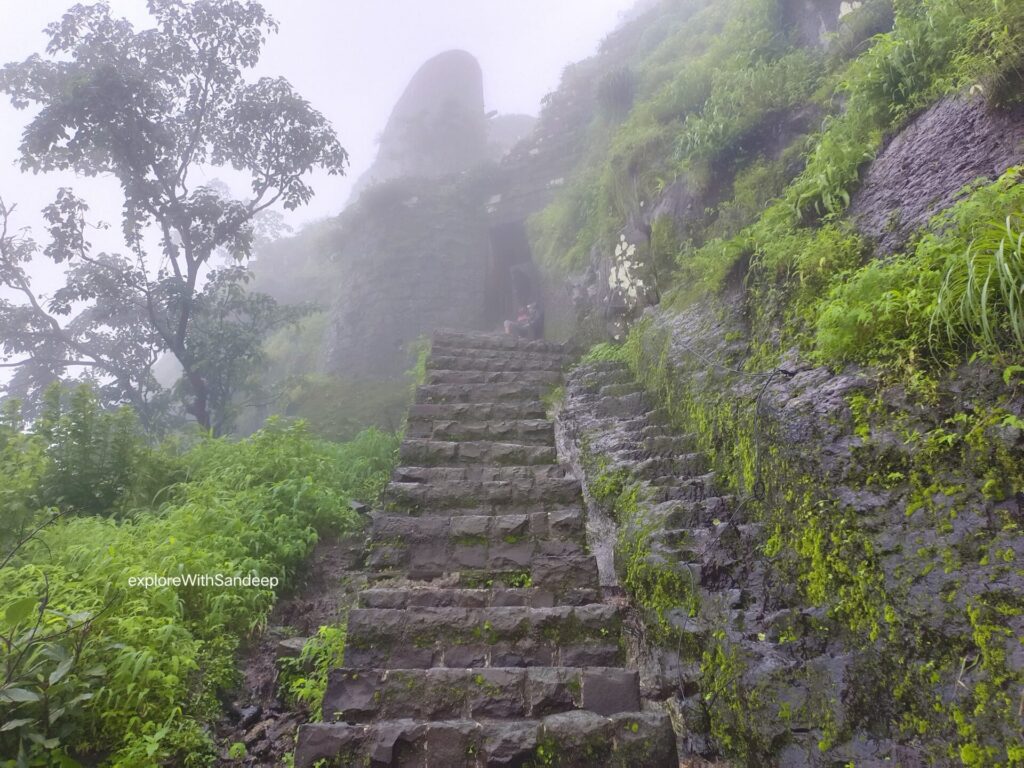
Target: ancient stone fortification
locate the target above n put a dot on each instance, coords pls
(437, 127)
(420, 248)
(412, 256)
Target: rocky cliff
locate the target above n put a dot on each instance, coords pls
(804, 462)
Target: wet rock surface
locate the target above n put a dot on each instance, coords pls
(711, 538)
(923, 168)
(692, 527)
(483, 640)
(795, 661)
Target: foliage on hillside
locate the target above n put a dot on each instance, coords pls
(726, 69)
(721, 73)
(93, 665)
(773, 214)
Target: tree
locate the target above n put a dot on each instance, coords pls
(150, 107)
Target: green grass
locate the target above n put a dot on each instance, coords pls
(957, 291)
(981, 301)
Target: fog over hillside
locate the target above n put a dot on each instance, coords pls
(351, 60)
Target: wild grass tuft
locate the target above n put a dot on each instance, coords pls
(981, 301)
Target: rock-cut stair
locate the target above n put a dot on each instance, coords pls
(484, 640)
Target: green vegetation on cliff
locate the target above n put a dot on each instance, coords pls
(767, 140)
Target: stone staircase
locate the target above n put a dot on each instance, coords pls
(484, 640)
(706, 536)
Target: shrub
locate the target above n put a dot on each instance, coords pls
(22, 466)
(616, 92)
(99, 462)
(146, 664)
(981, 301)
(879, 313)
(306, 675)
(740, 100)
(957, 290)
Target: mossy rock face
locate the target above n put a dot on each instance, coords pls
(876, 519)
(641, 738)
(956, 142)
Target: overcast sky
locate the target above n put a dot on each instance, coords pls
(351, 59)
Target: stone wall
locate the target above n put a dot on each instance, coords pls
(811, 561)
(412, 257)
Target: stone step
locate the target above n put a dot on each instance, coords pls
(471, 340)
(357, 695)
(524, 378)
(440, 349)
(477, 412)
(429, 547)
(693, 514)
(476, 474)
(577, 739)
(637, 447)
(643, 465)
(634, 438)
(479, 393)
(620, 389)
(436, 490)
(672, 488)
(440, 360)
(449, 597)
(491, 497)
(427, 452)
(562, 575)
(419, 638)
(592, 379)
(640, 429)
(521, 431)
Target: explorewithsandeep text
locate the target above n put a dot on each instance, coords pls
(204, 580)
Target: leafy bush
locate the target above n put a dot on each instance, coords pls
(306, 675)
(880, 312)
(753, 188)
(22, 466)
(136, 670)
(616, 91)
(959, 289)
(98, 461)
(741, 99)
(833, 168)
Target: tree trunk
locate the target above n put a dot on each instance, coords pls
(198, 406)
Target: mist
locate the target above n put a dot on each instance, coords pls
(351, 60)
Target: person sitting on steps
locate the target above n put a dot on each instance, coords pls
(529, 323)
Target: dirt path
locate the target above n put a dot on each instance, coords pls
(256, 714)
